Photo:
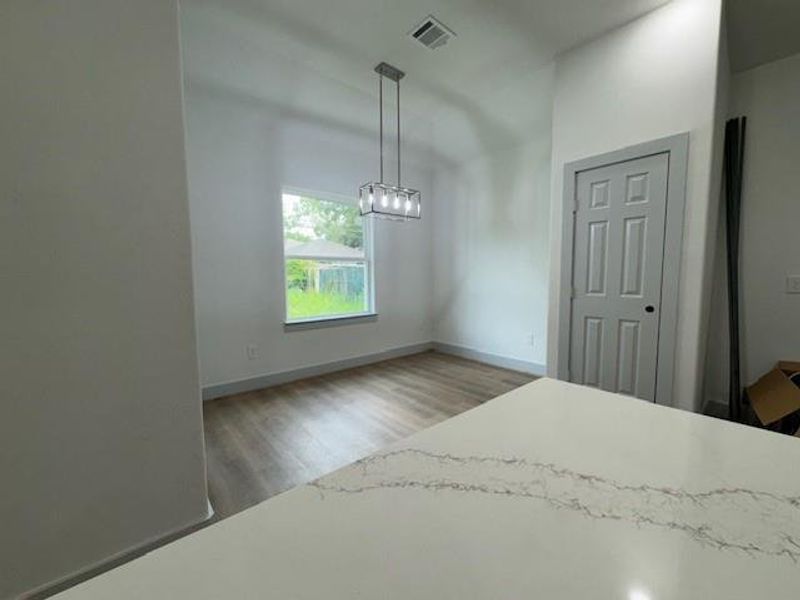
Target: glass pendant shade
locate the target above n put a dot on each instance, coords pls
(390, 201)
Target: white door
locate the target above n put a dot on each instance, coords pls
(620, 216)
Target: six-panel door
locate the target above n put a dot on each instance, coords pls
(617, 275)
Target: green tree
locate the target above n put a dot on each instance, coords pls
(295, 235)
(332, 221)
(297, 273)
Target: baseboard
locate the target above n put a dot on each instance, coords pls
(260, 382)
(115, 560)
(496, 360)
(714, 408)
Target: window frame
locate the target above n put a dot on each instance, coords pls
(370, 314)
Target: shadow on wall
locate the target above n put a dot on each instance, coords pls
(493, 212)
(716, 374)
(492, 251)
(465, 125)
(235, 218)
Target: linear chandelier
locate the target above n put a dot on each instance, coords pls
(383, 199)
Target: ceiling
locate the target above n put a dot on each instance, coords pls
(315, 58)
(761, 31)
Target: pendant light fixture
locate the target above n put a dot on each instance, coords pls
(383, 199)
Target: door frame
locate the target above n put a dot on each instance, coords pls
(677, 146)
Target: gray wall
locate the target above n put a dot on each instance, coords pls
(100, 417)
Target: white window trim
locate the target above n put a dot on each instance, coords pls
(367, 316)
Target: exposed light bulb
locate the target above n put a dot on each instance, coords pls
(388, 200)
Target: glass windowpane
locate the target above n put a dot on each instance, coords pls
(326, 264)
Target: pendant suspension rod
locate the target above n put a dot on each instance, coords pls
(398, 133)
(380, 96)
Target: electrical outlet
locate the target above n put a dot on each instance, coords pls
(793, 284)
(252, 351)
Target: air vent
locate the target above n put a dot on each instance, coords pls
(432, 33)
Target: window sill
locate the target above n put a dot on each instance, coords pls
(325, 322)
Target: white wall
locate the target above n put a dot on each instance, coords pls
(241, 151)
(652, 78)
(491, 252)
(100, 417)
(769, 96)
(715, 380)
(491, 218)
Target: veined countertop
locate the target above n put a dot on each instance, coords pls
(550, 492)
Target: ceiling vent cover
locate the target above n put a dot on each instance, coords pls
(432, 33)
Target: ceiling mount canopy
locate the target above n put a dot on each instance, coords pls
(383, 199)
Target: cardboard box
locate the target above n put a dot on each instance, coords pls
(774, 397)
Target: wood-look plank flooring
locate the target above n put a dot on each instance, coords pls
(262, 443)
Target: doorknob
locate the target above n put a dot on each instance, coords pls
(649, 308)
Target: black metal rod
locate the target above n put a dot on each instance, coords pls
(398, 133)
(380, 100)
(735, 133)
(733, 300)
(737, 245)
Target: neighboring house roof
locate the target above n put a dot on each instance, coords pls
(320, 249)
(289, 243)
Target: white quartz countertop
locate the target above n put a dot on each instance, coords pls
(552, 491)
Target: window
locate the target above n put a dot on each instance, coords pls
(327, 258)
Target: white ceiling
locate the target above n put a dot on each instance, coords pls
(760, 31)
(315, 57)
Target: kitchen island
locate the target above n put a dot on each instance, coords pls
(552, 491)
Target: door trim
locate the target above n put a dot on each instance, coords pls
(677, 146)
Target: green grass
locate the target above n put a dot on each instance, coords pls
(306, 305)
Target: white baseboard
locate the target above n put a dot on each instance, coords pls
(115, 560)
(260, 382)
(264, 381)
(496, 360)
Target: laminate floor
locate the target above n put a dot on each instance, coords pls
(262, 443)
